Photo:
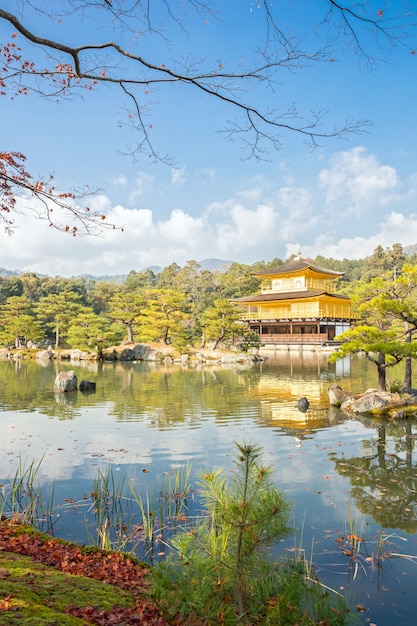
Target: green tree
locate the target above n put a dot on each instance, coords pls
(57, 310)
(18, 324)
(91, 332)
(168, 277)
(200, 287)
(238, 281)
(100, 295)
(126, 309)
(381, 347)
(31, 284)
(221, 571)
(165, 317)
(59, 285)
(388, 261)
(139, 280)
(10, 286)
(391, 301)
(219, 322)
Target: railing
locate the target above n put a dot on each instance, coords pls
(286, 315)
(299, 338)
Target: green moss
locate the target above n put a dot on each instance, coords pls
(391, 411)
(32, 593)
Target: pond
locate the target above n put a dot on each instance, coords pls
(352, 481)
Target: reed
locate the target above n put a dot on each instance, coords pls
(163, 512)
(127, 520)
(22, 499)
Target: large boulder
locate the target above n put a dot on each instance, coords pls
(371, 400)
(44, 356)
(65, 381)
(337, 395)
(77, 355)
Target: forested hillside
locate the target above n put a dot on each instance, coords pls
(186, 305)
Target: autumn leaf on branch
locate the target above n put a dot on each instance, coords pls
(60, 209)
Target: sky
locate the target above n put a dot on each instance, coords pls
(340, 200)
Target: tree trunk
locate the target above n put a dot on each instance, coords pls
(129, 332)
(218, 340)
(166, 336)
(408, 365)
(382, 372)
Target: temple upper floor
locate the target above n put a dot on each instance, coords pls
(296, 283)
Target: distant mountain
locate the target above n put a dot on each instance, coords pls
(156, 269)
(111, 278)
(8, 273)
(215, 265)
(409, 250)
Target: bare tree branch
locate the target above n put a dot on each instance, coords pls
(123, 63)
(86, 67)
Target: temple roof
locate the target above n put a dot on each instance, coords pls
(287, 295)
(297, 265)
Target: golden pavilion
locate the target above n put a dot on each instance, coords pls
(297, 305)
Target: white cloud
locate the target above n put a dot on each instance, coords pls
(297, 214)
(120, 181)
(98, 204)
(206, 174)
(143, 184)
(356, 181)
(262, 220)
(247, 228)
(181, 227)
(143, 241)
(178, 177)
(395, 228)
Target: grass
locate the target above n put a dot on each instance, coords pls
(127, 520)
(22, 497)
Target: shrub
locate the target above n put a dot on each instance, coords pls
(222, 572)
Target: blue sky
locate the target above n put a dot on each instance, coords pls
(340, 200)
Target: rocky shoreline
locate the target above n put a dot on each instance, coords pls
(375, 403)
(130, 351)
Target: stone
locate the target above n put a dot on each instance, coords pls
(77, 355)
(367, 402)
(44, 355)
(303, 404)
(65, 381)
(87, 385)
(337, 395)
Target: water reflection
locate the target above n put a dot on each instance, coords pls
(296, 375)
(146, 419)
(384, 476)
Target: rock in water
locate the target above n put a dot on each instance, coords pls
(337, 396)
(303, 404)
(65, 381)
(87, 385)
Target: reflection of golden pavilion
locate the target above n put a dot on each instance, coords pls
(296, 376)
